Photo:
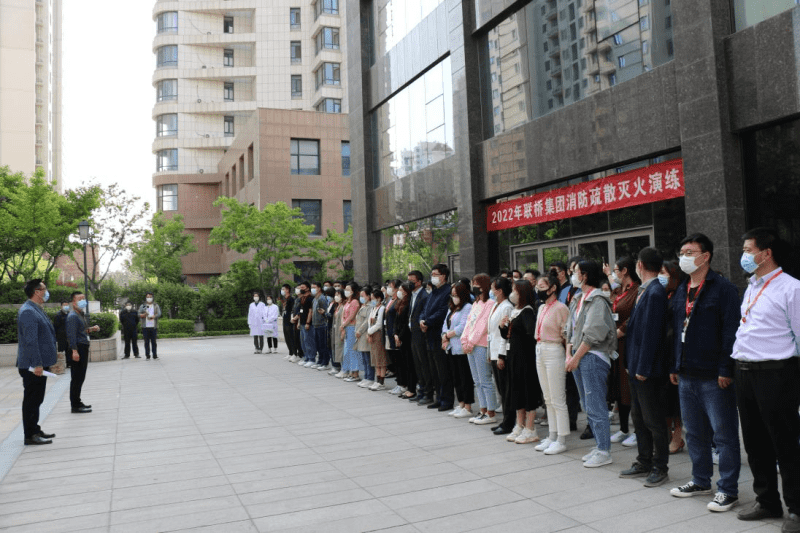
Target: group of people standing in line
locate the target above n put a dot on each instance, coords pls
(671, 344)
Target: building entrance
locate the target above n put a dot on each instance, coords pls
(604, 248)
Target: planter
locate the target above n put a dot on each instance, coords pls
(100, 350)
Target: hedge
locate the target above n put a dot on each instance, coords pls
(12, 292)
(167, 326)
(227, 324)
(8, 324)
(203, 334)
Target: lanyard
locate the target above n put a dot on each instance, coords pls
(750, 305)
(690, 305)
(621, 296)
(543, 317)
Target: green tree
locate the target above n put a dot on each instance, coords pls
(158, 255)
(116, 224)
(39, 224)
(274, 236)
(335, 252)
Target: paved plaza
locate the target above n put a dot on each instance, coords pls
(212, 437)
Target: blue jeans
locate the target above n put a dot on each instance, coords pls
(591, 377)
(709, 411)
(482, 376)
(351, 358)
(309, 344)
(369, 371)
(321, 342)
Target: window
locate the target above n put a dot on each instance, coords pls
(167, 160)
(168, 197)
(168, 22)
(166, 90)
(227, 91)
(328, 7)
(328, 74)
(347, 215)
(670, 48)
(167, 125)
(668, 22)
(227, 25)
(330, 105)
(327, 38)
(645, 47)
(297, 86)
(294, 18)
(345, 160)
(229, 131)
(612, 79)
(617, 38)
(312, 213)
(644, 23)
(621, 61)
(295, 52)
(167, 56)
(227, 58)
(304, 157)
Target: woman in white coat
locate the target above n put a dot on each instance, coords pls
(271, 325)
(256, 321)
(501, 288)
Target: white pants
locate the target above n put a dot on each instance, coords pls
(550, 364)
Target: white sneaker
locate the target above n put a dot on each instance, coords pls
(612, 418)
(287, 357)
(598, 459)
(514, 433)
(323, 367)
(477, 417)
(301, 362)
(619, 436)
(455, 411)
(402, 390)
(589, 455)
(333, 371)
(543, 445)
(486, 419)
(395, 390)
(555, 448)
(339, 374)
(527, 436)
(465, 413)
(310, 364)
(293, 359)
(630, 441)
(378, 386)
(365, 383)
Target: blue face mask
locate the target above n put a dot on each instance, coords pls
(46, 295)
(82, 304)
(663, 280)
(748, 262)
(362, 300)
(65, 309)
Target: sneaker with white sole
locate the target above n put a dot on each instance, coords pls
(689, 490)
(527, 436)
(465, 413)
(476, 418)
(589, 455)
(315, 366)
(542, 446)
(339, 374)
(619, 436)
(555, 448)
(302, 362)
(333, 371)
(455, 411)
(373, 386)
(722, 502)
(514, 433)
(288, 357)
(630, 442)
(293, 359)
(486, 419)
(378, 386)
(366, 383)
(395, 390)
(600, 458)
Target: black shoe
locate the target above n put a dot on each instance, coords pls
(425, 401)
(414, 398)
(445, 408)
(47, 435)
(495, 427)
(791, 524)
(636, 470)
(137, 356)
(126, 357)
(573, 426)
(155, 357)
(81, 410)
(502, 431)
(656, 478)
(148, 357)
(587, 434)
(86, 406)
(37, 439)
(435, 405)
(757, 512)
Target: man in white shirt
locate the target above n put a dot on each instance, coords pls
(149, 312)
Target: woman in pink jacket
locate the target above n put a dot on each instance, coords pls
(474, 342)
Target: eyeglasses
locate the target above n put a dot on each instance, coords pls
(690, 253)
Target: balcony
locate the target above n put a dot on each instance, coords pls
(204, 6)
(551, 11)
(558, 88)
(554, 51)
(607, 67)
(203, 39)
(552, 31)
(591, 25)
(587, 6)
(555, 71)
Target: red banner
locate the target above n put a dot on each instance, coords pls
(662, 181)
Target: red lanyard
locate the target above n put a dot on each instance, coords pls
(690, 306)
(750, 305)
(541, 321)
(620, 297)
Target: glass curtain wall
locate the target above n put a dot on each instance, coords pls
(394, 19)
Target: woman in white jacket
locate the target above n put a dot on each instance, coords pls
(255, 320)
(271, 325)
(501, 288)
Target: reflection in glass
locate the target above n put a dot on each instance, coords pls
(167, 90)
(168, 197)
(167, 125)
(414, 129)
(550, 54)
(419, 245)
(167, 56)
(168, 22)
(394, 19)
(167, 160)
(749, 12)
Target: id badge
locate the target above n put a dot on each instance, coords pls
(615, 317)
(489, 337)
(683, 337)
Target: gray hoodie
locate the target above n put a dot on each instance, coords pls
(594, 326)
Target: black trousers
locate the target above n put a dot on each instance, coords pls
(149, 335)
(131, 340)
(288, 338)
(272, 342)
(32, 397)
(396, 366)
(444, 374)
(573, 399)
(768, 401)
(501, 378)
(462, 378)
(78, 375)
(419, 354)
(258, 342)
(649, 415)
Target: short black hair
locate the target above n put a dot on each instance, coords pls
(327, 281)
(535, 273)
(651, 259)
(32, 286)
(377, 293)
(316, 284)
(416, 273)
(74, 294)
(559, 265)
(502, 284)
(594, 272)
(575, 259)
(286, 286)
(515, 271)
(768, 238)
(505, 273)
(705, 244)
(443, 269)
(148, 294)
(306, 283)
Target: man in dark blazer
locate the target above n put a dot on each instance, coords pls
(432, 319)
(419, 343)
(647, 354)
(36, 352)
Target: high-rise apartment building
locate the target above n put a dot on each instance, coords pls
(219, 65)
(30, 86)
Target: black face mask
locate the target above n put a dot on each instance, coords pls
(476, 291)
(543, 296)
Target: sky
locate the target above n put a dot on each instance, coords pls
(108, 95)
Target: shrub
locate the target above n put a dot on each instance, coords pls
(175, 300)
(167, 326)
(12, 292)
(8, 324)
(227, 324)
(222, 302)
(202, 334)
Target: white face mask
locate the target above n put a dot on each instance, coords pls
(400, 294)
(389, 291)
(269, 301)
(435, 280)
(607, 294)
(514, 297)
(428, 291)
(348, 294)
(575, 280)
(337, 298)
(613, 278)
(149, 300)
(255, 298)
(297, 291)
(687, 264)
(456, 300)
(314, 291)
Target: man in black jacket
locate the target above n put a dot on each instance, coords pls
(286, 319)
(129, 319)
(431, 322)
(60, 325)
(419, 344)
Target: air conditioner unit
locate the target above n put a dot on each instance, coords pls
(199, 101)
(207, 136)
(201, 171)
(204, 66)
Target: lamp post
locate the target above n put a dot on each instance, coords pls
(83, 233)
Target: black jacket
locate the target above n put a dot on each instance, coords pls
(129, 321)
(60, 325)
